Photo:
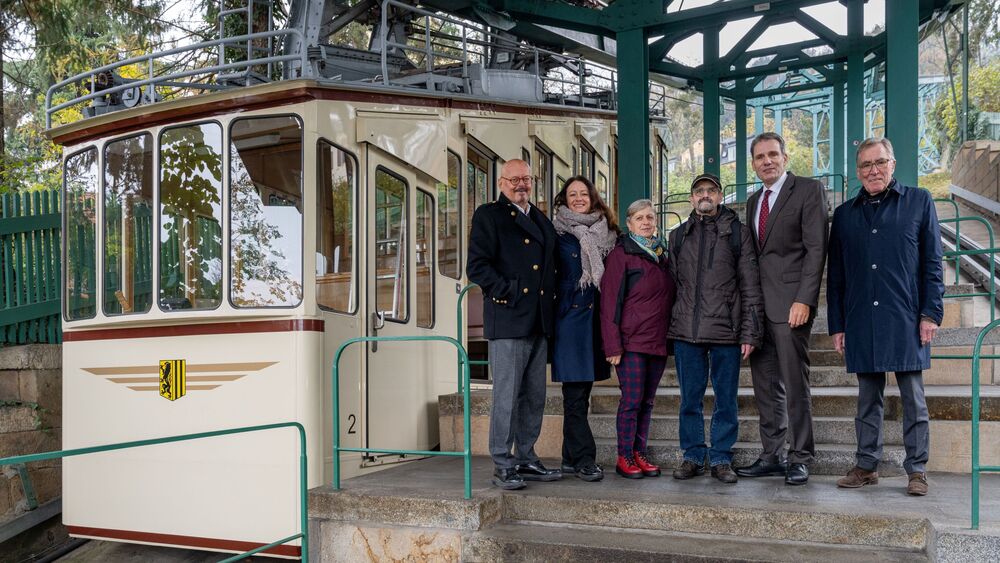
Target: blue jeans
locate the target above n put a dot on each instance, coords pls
(693, 361)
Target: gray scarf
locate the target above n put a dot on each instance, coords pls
(596, 240)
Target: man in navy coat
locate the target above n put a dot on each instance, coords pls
(512, 258)
(885, 297)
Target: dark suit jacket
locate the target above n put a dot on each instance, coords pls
(512, 258)
(794, 251)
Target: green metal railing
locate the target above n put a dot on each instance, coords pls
(958, 232)
(303, 482)
(992, 250)
(662, 210)
(461, 325)
(30, 268)
(976, 468)
(463, 386)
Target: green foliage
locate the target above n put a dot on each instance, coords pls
(937, 183)
(43, 42)
(984, 95)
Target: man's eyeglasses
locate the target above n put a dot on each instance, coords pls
(526, 180)
(707, 191)
(866, 167)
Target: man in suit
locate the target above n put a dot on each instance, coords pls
(512, 258)
(789, 218)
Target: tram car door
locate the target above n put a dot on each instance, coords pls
(403, 379)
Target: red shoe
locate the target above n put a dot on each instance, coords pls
(627, 468)
(648, 469)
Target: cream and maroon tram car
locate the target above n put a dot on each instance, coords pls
(219, 248)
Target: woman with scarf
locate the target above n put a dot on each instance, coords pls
(637, 295)
(587, 233)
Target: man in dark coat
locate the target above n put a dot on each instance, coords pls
(885, 296)
(512, 258)
(715, 323)
(789, 218)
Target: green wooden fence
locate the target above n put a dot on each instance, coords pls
(29, 268)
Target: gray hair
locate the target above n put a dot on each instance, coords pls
(637, 206)
(873, 141)
(768, 136)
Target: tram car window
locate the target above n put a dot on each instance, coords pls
(479, 186)
(449, 207)
(80, 179)
(336, 264)
(542, 171)
(425, 259)
(391, 264)
(265, 202)
(128, 225)
(191, 217)
(587, 160)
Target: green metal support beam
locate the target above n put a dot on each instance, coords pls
(902, 80)
(713, 105)
(633, 119)
(837, 123)
(758, 120)
(741, 149)
(855, 125)
(631, 14)
(779, 120)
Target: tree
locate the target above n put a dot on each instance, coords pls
(43, 42)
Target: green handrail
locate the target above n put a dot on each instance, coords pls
(958, 232)
(976, 468)
(992, 250)
(459, 330)
(303, 483)
(463, 383)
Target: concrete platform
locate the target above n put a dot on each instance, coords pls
(416, 511)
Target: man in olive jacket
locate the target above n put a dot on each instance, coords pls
(512, 258)
(715, 323)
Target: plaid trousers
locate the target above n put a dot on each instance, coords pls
(638, 377)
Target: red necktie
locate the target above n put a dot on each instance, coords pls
(765, 210)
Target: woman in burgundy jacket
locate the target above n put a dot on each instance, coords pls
(637, 294)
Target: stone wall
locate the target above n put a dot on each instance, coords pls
(975, 171)
(30, 422)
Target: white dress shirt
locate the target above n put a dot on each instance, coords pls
(775, 189)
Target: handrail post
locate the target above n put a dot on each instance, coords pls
(466, 415)
(976, 352)
(460, 324)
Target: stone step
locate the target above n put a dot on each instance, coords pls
(694, 513)
(415, 511)
(831, 459)
(819, 376)
(817, 357)
(944, 402)
(826, 429)
(542, 542)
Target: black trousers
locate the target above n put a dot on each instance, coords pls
(578, 448)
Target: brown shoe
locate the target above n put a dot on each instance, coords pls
(857, 478)
(724, 472)
(689, 469)
(917, 485)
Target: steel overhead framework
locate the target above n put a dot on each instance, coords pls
(640, 35)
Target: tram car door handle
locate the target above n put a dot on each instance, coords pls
(378, 323)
